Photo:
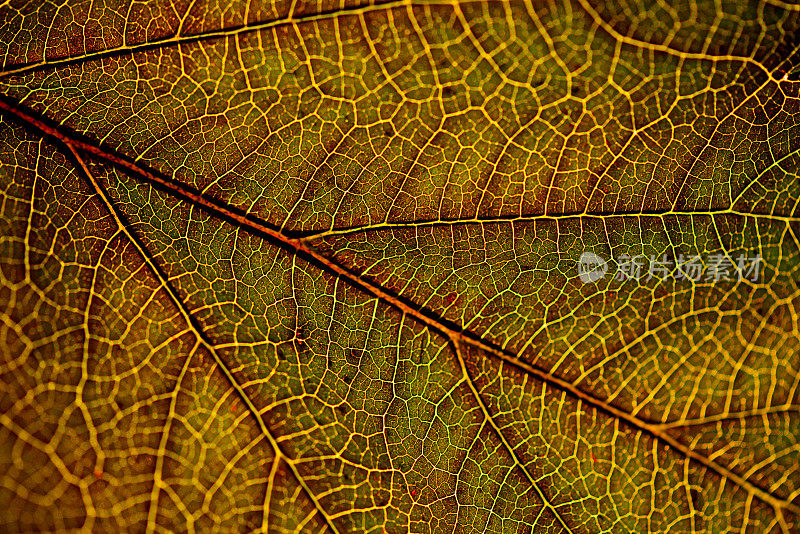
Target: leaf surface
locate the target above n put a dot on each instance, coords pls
(313, 267)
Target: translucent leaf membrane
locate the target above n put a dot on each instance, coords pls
(316, 267)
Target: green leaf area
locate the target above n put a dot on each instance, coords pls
(313, 266)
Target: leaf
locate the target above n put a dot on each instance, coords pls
(294, 267)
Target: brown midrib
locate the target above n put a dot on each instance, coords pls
(451, 330)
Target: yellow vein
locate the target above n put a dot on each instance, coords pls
(205, 36)
(187, 317)
(503, 440)
(432, 321)
(349, 230)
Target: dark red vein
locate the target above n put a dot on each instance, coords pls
(427, 317)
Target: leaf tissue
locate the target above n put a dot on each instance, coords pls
(400, 266)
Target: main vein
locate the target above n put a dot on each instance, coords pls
(260, 228)
(199, 333)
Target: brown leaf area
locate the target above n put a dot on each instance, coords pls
(313, 267)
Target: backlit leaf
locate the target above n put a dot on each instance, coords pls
(315, 266)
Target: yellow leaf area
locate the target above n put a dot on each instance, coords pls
(314, 266)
